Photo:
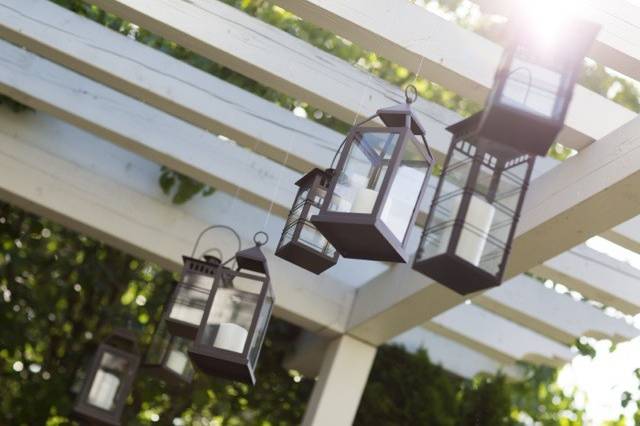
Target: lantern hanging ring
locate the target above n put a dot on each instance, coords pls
(257, 241)
(410, 94)
(210, 228)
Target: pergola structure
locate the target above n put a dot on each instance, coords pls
(110, 110)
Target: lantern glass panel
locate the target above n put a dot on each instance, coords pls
(405, 189)
(294, 216)
(532, 87)
(261, 328)
(190, 298)
(231, 313)
(365, 167)
(107, 381)
(177, 358)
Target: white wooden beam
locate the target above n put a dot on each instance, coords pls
(144, 130)
(450, 55)
(627, 234)
(276, 59)
(84, 183)
(497, 337)
(596, 276)
(527, 302)
(617, 43)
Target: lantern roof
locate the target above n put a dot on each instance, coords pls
(312, 174)
(466, 126)
(252, 258)
(395, 116)
(121, 337)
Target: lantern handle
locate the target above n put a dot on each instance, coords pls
(258, 242)
(410, 94)
(210, 228)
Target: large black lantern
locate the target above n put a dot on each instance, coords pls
(168, 357)
(473, 217)
(184, 310)
(236, 318)
(109, 380)
(301, 243)
(379, 181)
(534, 84)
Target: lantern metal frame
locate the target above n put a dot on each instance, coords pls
(95, 414)
(292, 247)
(526, 130)
(447, 267)
(194, 266)
(366, 235)
(225, 363)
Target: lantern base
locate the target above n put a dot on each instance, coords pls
(93, 417)
(457, 274)
(360, 236)
(305, 257)
(182, 329)
(222, 363)
(527, 133)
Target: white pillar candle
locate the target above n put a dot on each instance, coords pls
(476, 230)
(231, 337)
(364, 201)
(177, 361)
(103, 390)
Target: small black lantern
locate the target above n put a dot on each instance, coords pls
(534, 85)
(236, 318)
(109, 379)
(184, 310)
(473, 217)
(377, 187)
(168, 357)
(301, 243)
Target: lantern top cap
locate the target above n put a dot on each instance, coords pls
(121, 337)
(252, 258)
(466, 126)
(395, 116)
(312, 174)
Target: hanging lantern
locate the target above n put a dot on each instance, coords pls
(534, 84)
(236, 318)
(472, 221)
(184, 310)
(168, 357)
(379, 181)
(301, 243)
(109, 379)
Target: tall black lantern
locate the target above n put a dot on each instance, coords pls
(534, 84)
(301, 243)
(379, 181)
(236, 318)
(109, 379)
(168, 357)
(472, 221)
(184, 310)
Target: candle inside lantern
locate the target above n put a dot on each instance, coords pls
(231, 337)
(103, 390)
(177, 361)
(364, 201)
(473, 236)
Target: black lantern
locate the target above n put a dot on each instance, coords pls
(534, 84)
(473, 217)
(109, 379)
(184, 311)
(301, 243)
(379, 181)
(236, 318)
(168, 357)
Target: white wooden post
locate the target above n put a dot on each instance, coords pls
(338, 389)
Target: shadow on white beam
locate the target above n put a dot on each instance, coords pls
(60, 172)
(497, 337)
(448, 54)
